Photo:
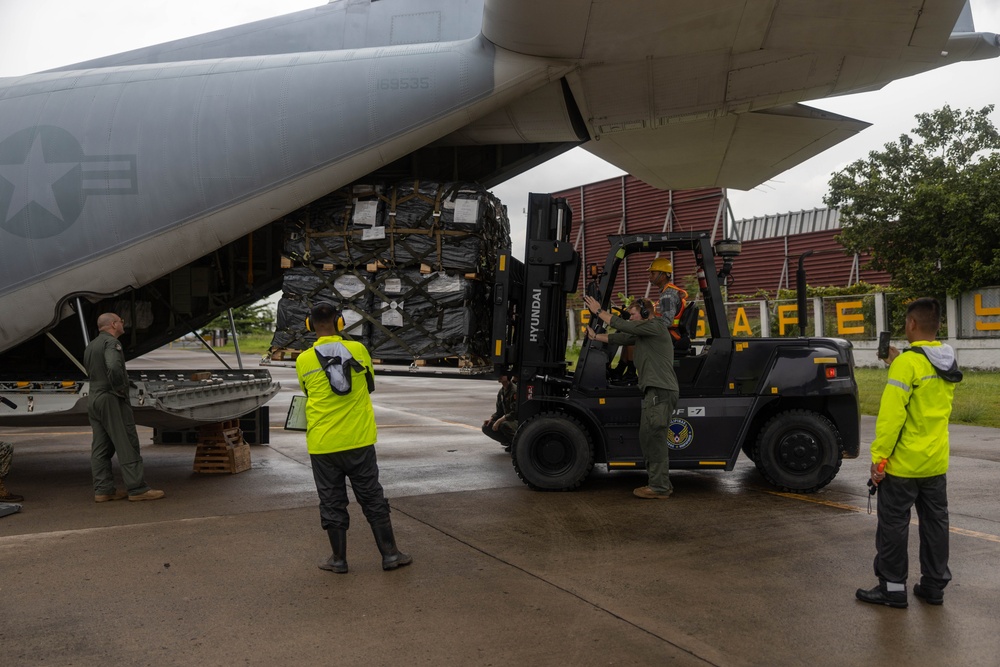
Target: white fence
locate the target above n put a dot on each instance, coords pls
(971, 325)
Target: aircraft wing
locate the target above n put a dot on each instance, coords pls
(739, 150)
(692, 93)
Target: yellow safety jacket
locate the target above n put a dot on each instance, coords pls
(912, 427)
(335, 422)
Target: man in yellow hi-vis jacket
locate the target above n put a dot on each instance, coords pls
(336, 377)
(911, 436)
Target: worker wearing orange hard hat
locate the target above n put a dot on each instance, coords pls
(672, 300)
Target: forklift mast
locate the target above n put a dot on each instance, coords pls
(530, 328)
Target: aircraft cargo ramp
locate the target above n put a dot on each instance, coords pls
(161, 399)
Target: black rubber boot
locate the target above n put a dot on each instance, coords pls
(391, 556)
(338, 561)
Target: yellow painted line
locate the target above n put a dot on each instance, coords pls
(825, 360)
(974, 533)
(861, 510)
(816, 501)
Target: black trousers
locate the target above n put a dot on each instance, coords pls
(331, 471)
(896, 495)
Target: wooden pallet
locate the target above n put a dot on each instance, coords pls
(221, 449)
(289, 263)
(400, 362)
(464, 361)
(427, 268)
(284, 354)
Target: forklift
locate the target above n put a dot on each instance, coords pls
(789, 404)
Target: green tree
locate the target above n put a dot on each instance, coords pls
(255, 318)
(927, 207)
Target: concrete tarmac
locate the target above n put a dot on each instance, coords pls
(223, 570)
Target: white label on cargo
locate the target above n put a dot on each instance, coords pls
(393, 285)
(348, 285)
(365, 212)
(350, 319)
(467, 211)
(445, 283)
(393, 317)
(373, 234)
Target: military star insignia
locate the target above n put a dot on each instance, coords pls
(33, 181)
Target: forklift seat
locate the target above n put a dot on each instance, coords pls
(687, 325)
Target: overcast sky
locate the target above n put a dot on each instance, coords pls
(41, 34)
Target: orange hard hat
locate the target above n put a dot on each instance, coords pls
(661, 264)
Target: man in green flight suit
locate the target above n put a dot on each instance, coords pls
(654, 363)
(110, 415)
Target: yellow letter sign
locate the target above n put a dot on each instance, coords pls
(785, 318)
(742, 324)
(989, 312)
(844, 318)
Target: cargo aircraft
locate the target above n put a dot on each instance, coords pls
(149, 182)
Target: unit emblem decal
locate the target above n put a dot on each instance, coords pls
(680, 434)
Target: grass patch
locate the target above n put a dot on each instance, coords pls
(250, 344)
(977, 397)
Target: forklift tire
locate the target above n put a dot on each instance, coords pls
(798, 451)
(552, 452)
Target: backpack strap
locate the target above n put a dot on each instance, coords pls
(339, 371)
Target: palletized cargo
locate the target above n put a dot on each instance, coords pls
(422, 253)
(428, 316)
(305, 286)
(456, 226)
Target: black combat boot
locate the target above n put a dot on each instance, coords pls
(338, 561)
(928, 594)
(391, 556)
(879, 595)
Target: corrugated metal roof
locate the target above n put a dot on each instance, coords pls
(626, 205)
(788, 224)
(771, 244)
